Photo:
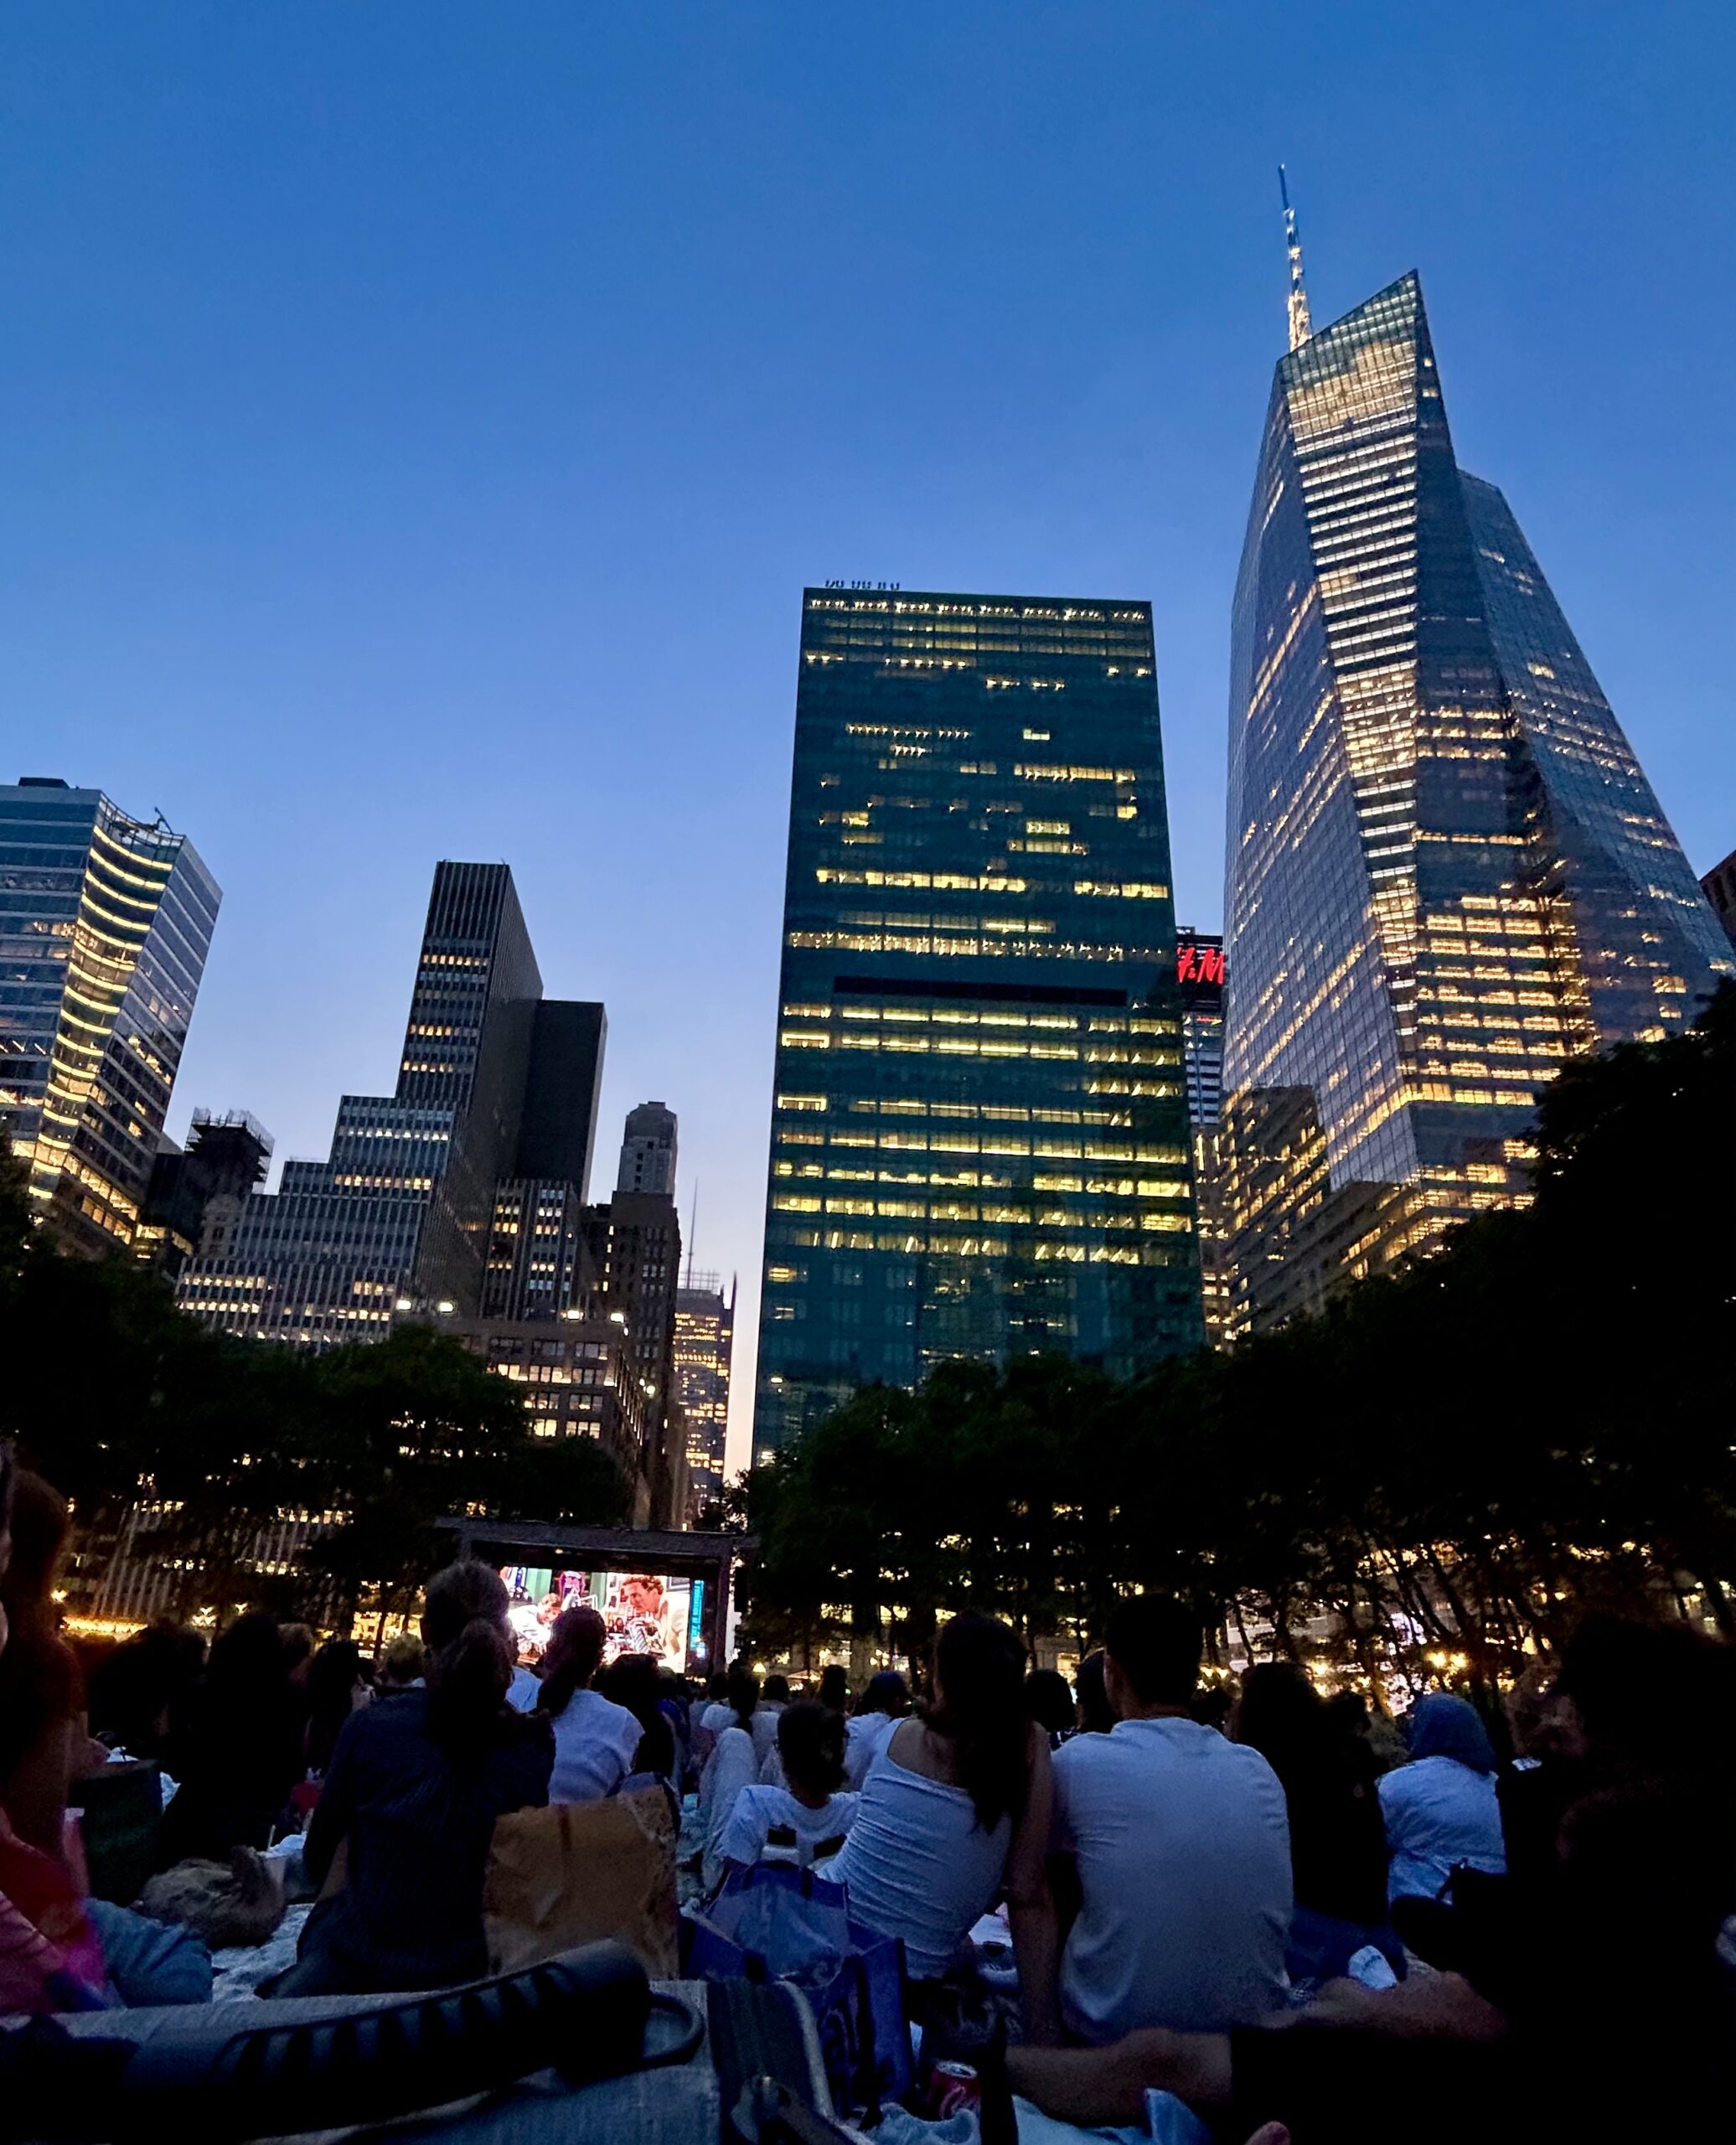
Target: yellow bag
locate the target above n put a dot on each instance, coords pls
(578, 1872)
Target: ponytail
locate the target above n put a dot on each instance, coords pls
(470, 1667)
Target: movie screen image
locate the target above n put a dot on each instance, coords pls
(643, 1613)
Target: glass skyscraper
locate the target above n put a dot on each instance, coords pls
(105, 924)
(980, 1133)
(495, 1101)
(1446, 872)
(705, 1339)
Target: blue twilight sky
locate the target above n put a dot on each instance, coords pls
(418, 419)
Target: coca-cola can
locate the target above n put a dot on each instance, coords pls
(956, 2086)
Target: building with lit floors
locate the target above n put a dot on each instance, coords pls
(704, 1340)
(979, 1132)
(634, 1246)
(1200, 977)
(495, 1098)
(1446, 873)
(105, 924)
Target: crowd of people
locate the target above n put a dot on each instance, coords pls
(1270, 1903)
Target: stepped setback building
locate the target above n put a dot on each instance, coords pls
(1446, 872)
(105, 924)
(495, 1098)
(979, 1133)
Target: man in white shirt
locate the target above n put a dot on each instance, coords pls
(1181, 1844)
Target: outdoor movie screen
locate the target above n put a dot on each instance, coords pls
(642, 1612)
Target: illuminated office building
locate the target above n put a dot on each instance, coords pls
(979, 1131)
(704, 1340)
(495, 1100)
(1446, 872)
(105, 924)
(1200, 975)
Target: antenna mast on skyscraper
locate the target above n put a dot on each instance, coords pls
(1301, 327)
(693, 1229)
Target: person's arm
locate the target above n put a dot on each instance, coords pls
(35, 1789)
(1030, 1906)
(1106, 2087)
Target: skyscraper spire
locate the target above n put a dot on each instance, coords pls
(1300, 326)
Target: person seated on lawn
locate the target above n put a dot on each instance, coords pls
(595, 1739)
(956, 1809)
(880, 1707)
(802, 1822)
(1442, 1810)
(1181, 1847)
(732, 1765)
(399, 1839)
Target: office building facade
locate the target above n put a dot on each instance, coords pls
(105, 924)
(1200, 977)
(648, 1151)
(1446, 872)
(705, 1343)
(1719, 887)
(196, 1193)
(495, 1086)
(979, 1129)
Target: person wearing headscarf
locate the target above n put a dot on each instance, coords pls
(1442, 1810)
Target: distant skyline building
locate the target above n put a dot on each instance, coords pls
(496, 1089)
(980, 1133)
(196, 1194)
(648, 1151)
(1719, 888)
(705, 1343)
(1200, 975)
(1446, 873)
(105, 921)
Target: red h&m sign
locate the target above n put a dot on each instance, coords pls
(1199, 963)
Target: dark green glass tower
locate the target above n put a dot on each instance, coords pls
(980, 1141)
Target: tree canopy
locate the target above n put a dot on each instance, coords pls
(127, 1403)
(1458, 1459)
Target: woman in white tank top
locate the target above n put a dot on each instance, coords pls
(957, 1808)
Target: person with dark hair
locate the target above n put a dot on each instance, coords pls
(1181, 1848)
(732, 1765)
(958, 1805)
(243, 1750)
(401, 1665)
(634, 1682)
(835, 1687)
(399, 1839)
(42, 1742)
(596, 1740)
(336, 1687)
(1442, 1810)
(1095, 1715)
(1338, 1847)
(878, 1710)
(774, 1696)
(140, 1693)
(1049, 1700)
(804, 1822)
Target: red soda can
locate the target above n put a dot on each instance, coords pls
(956, 2086)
